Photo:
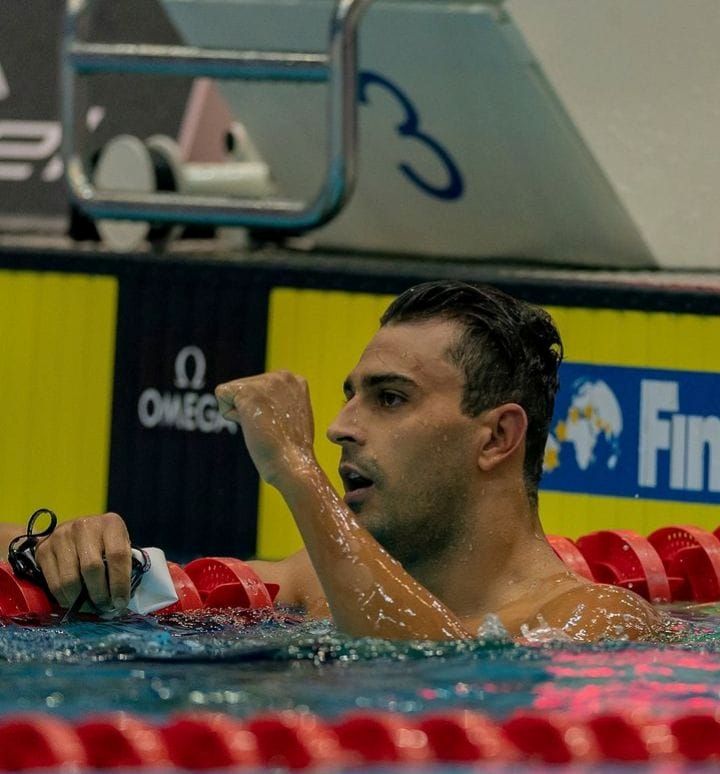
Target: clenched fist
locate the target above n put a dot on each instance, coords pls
(276, 418)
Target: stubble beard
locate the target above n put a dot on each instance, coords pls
(420, 531)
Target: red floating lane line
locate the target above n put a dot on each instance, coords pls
(698, 736)
(37, 741)
(379, 737)
(626, 559)
(618, 739)
(692, 554)
(18, 596)
(210, 741)
(465, 736)
(296, 740)
(188, 595)
(675, 563)
(210, 573)
(571, 555)
(116, 740)
(551, 738)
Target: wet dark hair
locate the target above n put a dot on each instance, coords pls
(509, 350)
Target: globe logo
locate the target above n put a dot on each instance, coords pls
(591, 427)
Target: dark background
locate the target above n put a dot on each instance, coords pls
(192, 493)
(30, 38)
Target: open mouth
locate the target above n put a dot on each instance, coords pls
(354, 481)
(356, 485)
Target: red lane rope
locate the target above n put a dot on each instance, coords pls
(296, 740)
(673, 564)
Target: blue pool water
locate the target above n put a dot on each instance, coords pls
(225, 662)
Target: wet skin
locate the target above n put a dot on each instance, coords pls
(402, 429)
(427, 485)
(435, 530)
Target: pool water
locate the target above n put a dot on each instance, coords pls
(226, 661)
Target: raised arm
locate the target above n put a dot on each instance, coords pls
(369, 593)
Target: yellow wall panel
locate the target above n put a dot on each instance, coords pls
(639, 339)
(57, 339)
(573, 515)
(320, 335)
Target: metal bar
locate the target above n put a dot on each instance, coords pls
(341, 71)
(93, 58)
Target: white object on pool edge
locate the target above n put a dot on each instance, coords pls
(156, 589)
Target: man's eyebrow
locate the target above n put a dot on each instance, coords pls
(374, 380)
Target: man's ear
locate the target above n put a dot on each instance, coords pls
(503, 433)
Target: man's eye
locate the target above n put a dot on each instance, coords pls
(390, 399)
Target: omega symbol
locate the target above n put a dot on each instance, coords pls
(183, 379)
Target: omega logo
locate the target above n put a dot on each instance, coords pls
(190, 410)
(183, 381)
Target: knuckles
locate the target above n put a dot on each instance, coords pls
(92, 568)
(68, 581)
(229, 391)
(118, 554)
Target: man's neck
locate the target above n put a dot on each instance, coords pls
(498, 559)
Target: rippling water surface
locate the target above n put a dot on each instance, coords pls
(229, 662)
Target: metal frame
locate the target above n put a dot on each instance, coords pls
(338, 67)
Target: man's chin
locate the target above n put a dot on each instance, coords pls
(357, 499)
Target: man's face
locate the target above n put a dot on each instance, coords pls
(407, 448)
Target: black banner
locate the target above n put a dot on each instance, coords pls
(179, 473)
(31, 170)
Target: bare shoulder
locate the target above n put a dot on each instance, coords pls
(298, 581)
(592, 611)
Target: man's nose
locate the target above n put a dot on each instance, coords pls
(345, 428)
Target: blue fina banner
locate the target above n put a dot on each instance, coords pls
(636, 433)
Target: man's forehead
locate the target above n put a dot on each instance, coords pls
(415, 350)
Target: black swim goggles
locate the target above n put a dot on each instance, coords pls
(21, 555)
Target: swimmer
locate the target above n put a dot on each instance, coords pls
(442, 438)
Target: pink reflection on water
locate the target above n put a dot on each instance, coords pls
(656, 682)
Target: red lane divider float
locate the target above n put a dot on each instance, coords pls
(692, 555)
(18, 596)
(213, 582)
(228, 582)
(119, 739)
(39, 742)
(209, 741)
(571, 555)
(465, 737)
(676, 563)
(673, 564)
(378, 737)
(295, 740)
(188, 596)
(621, 557)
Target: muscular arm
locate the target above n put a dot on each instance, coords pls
(369, 593)
(298, 582)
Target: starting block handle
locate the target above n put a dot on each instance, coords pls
(338, 67)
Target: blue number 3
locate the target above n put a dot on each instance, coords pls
(410, 127)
